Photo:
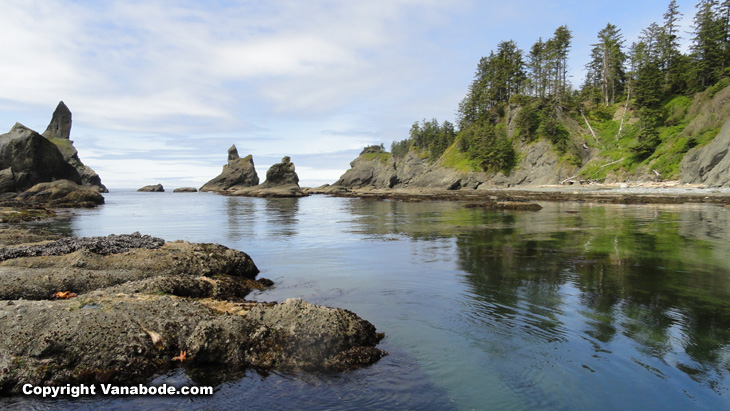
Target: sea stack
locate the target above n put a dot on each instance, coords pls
(58, 132)
(239, 172)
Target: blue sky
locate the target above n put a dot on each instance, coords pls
(160, 89)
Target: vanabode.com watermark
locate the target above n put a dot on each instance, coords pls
(109, 389)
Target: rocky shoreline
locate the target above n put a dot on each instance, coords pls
(638, 193)
(121, 308)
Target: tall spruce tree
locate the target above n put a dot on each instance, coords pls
(606, 68)
(707, 44)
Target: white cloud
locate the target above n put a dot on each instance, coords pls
(151, 76)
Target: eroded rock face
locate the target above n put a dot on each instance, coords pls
(27, 158)
(60, 125)
(281, 174)
(709, 164)
(538, 165)
(155, 188)
(141, 301)
(370, 172)
(239, 172)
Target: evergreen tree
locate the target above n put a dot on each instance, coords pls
(498, 77)
(607, 64)
(707, 44)
(668, 44)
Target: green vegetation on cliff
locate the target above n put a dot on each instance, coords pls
(639, 111)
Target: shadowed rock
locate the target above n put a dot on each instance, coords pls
(281, 174)
(60, 125)
(27, 158)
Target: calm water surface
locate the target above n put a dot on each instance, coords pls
(577, 306)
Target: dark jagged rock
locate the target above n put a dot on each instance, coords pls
(239, 172)
(156, 188)
(27, 158)
(111, 244)
(59, 133)
(185, 190)
(136, 308)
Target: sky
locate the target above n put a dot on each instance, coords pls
(159, 90)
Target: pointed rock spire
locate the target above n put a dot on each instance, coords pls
(60, 125)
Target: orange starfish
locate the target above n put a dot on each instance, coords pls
(64, 295)
(182, 357)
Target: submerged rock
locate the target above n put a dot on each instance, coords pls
(141, 301)
(238, 172)
(156, 188)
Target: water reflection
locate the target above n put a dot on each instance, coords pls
(241, 213)
(281, 216)
(651, 283)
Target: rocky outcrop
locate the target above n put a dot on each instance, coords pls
(185, 190)
(281, 174)
(59, 133)
(120, 309)
(61, 193)
(239, 173)
(375, 169)
(156, 188)
(239, 178)
(27, 158)
(710, 164)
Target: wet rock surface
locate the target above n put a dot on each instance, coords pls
(140, 301)
(111, 244)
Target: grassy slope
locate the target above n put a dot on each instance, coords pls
(689, 122)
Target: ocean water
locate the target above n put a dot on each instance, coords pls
(577, 306)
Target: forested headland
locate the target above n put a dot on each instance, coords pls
(643, 104)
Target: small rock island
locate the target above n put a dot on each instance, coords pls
(239, 178)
